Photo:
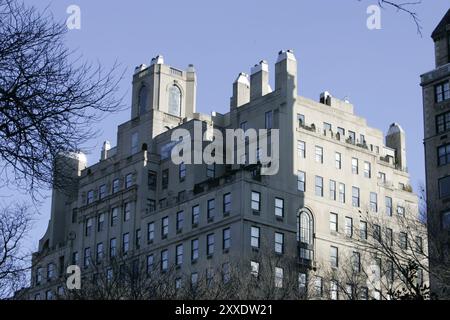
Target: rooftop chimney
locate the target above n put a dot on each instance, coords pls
(159, 59)
(286, 73)
(259, 80)
(241, 91)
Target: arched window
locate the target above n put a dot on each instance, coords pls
(175, 100)
(305, 231)
(142, 100)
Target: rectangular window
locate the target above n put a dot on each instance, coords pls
(334, 294)
(151, 232)
(334, 262)
(150, 263)
(194, 250)
(301, 181)
(99, 252)
(115, 185)
(256, 201)
(341, 193)
(195, 215)
(338, 160)
(403, 240)
(254, 237)
(269, 120)
(211, 170)
(164, 227)
(444, 155)
(301, 149)
(87, 257)
(354, 166)
(226, 272)
(319, 154)
(128, 180)
(419, 244)
(373, 202)
(442, 91)
(367, 170)
(341, 132)
(101, 222)
(279, 207)
(127, 211)
(210, 241)
(318, 286)
(356, 261)
(164, 260)
(319, 186)
(180, 220)
(151, 205)
(151, 180)
(165, 179)
(134, 143)
(254, 268)
(278, 277)
(388, 201)
(327, 126)
(300, 119)
(302, 282)
(194, 280)
(348, 227)
(179, 255)
(332, 190)
(362, 139)
(351, 137)
(181, 171)
(333, 222)
(377, 232)
(444, 187)
(226, 244)
(443, 122)
(227, 203)
(126, 243)
(90, 196)
(211, 208)
(279, 242)
(401, 211)
(138, 238)
(75, 258)
(355, 197)
(389, 237)
(363, 230)
(112, 247)
(102, 191)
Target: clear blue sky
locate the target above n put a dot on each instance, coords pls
(378, 70)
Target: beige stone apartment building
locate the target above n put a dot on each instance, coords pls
(335, 174)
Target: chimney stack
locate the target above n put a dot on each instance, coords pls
(259, 80)
(241, 91)
(286, 73)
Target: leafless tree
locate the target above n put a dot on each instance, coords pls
(15, 223)
(50, 100)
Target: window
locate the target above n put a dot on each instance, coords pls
(338, 160)
(318, 286)
(210, 240)
(174, 101)
(194, 250)
(319, 154)
(87, 257)
(178, 283)
(444, 187)
(377, 232)
(269, 120)
(334, 257)
(227, 203)
(49, 295)
(151, 205)
(444, 155)
(126, 243)
(356, 261)
(38, 276)
(195, 215)
(75, 258)
(194, 280)
(341, 132)
(442, 91)
(388, 201)
(138, 238)
(90, 196)
(403, 240)
(419, 244)
(279, 242)
(351, 137)
(134, 143)
(443, 122)
(142, 99)
(150, 263)
(128, 180)
(300, 119)
(179, 255)
(256, 201)
(180, 220)
(150, 231)
(211, 170)
(354, 166)
(226, 272)
(211, 208)
(112, 247)
(389, 237)
(164, 227)
(373, 202)
(362, 139)
(332, 190)
(116, 186)
(419, 277)
(89, 223)
(254, 237)
(101, 222)
(333, 222)
(102, 191)
(127, 211)
(401, 211)
(348, 227)
(164, 260)
(151, 180)
(278, 277)
(182, 171)
(334, 294)
(301, 149)
(165, 178)
(363, 230)
(367, 170)
(327, 126)
(445, 220)
(301, 181)
(319, 186)
(364, 293)
(226, 244)
(279, 207)
(305, 235)
(341, 193)
(382, 177)
(355, 196)
(302, 282)
(50, 271)
(99, 252)
(254, 268)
